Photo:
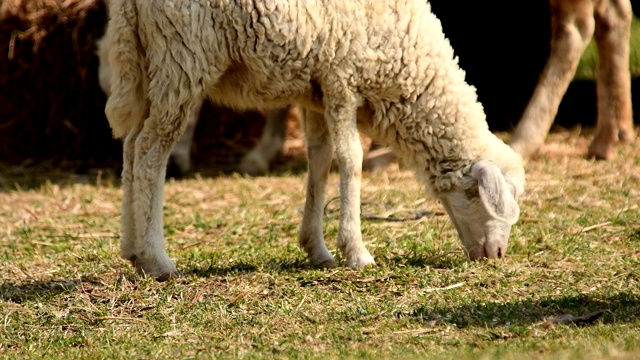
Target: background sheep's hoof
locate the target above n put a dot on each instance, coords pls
(254, 165)
(626, 135)
(179, 166)
(601, 151)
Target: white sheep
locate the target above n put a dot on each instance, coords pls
(383, 66)
(573, 24)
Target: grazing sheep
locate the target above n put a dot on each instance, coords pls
(383, 66)
(573, 24)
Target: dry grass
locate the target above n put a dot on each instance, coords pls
(249, 292)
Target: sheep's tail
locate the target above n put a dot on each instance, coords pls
(128, 104)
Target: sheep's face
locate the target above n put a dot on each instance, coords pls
(484, 211)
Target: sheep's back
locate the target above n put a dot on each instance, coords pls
(271, 51)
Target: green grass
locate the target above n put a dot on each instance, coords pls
(248, 291)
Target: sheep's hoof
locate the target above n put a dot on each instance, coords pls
(626, 135)
(323, 260)
(328, 264)
(361, 260)
(161, 276)
(168, 276)
(161, 272)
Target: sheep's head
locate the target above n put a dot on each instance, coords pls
(483, 209)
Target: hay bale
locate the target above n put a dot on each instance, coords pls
(51, 108)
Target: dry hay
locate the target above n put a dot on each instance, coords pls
(52, 108)
(50, 102)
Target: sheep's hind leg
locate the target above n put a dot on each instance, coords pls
(340, 114)
(128, 229)
(180, 159)
(319, 153)
(615, 122)
(162, 130)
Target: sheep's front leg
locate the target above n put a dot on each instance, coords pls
(162, 130)
(319, 153)
(340, 114)
(615, 122)
(572, 27)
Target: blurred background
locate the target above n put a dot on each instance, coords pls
(52, 108)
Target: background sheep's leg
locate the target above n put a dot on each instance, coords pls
(319, 154)
(613, 26)
(181, 153)
(258, 160)
(340, 114)
(128, 229)
(572, 27)
(162, 129)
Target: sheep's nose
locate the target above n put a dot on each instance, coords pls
(487, 251)
(494, 251)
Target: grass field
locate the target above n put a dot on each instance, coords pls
(248, 292)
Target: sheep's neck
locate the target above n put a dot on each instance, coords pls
(438, 138)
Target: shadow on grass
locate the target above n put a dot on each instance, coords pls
(299, 264)
(618, 308)
(288, 262)
(19, 293)
(248, 267)
(422, 259)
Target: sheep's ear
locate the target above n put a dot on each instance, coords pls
(494, 192)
